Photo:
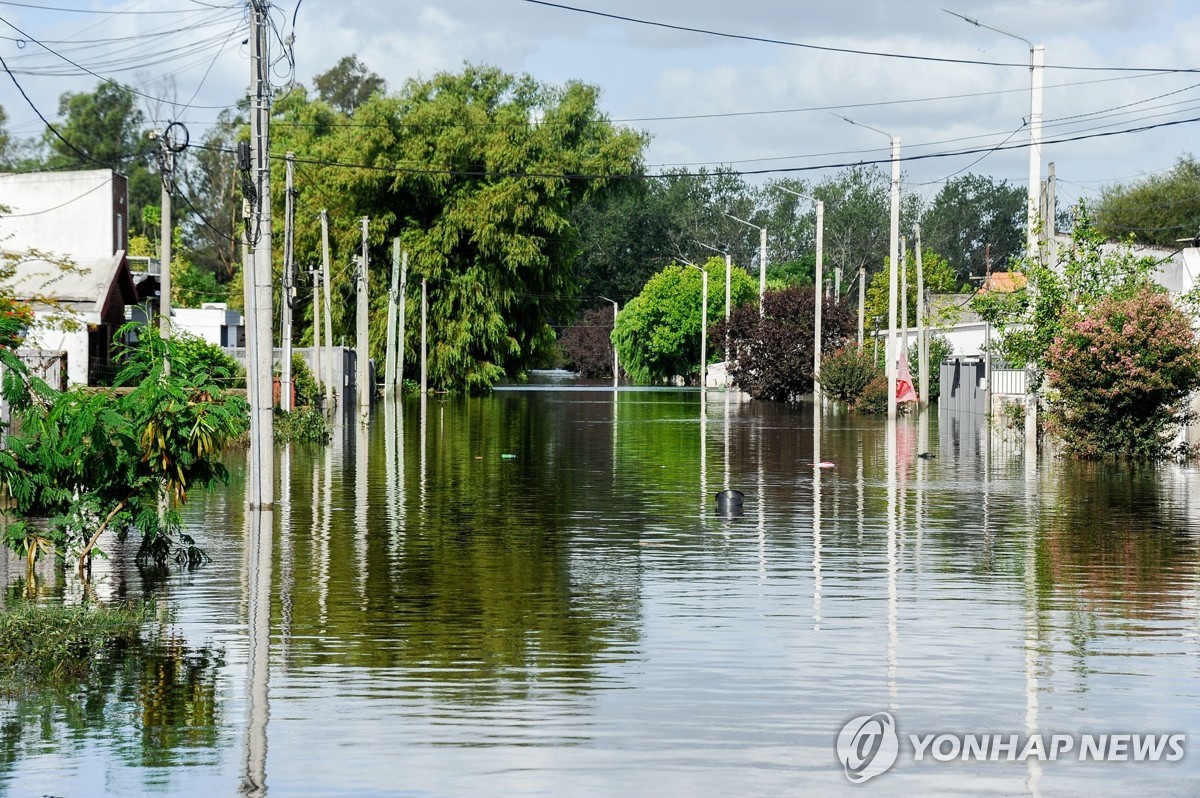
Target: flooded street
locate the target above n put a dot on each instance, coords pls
(531, 594)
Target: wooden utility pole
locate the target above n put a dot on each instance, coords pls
(424, 336)
(389, 367)
(330, 396)
(260, 348)
(363, 356)
(289, 254)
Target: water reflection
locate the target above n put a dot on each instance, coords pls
(519, 594)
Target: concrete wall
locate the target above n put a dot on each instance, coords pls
(78, 214)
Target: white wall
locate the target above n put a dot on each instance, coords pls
(70, 213)
(74, 343)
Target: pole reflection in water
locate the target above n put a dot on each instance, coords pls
(922, 477)
(362, 461)
(391, 406)
(703, 460)
(725, 480)
(287, 555)
(892, 565)
(259, 529)
(816, 543)
(1032, 641)
(424, 424)
(326, 530)
(762, 503)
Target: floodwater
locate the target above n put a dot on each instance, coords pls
(530, 594)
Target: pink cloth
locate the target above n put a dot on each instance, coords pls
(904, 387)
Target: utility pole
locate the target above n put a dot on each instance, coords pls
(289, 282)
(389, 367)
(260, 350)
(904, 296)
(330, 396)
(403, 299)
(362, 311)
(315, 273)
(922, 337)
(762, 271)
(817, 305)
(616, 362)
(894, 236)
(166, 161)
(424, 337)
(862, 303)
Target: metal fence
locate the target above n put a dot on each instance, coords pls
(1008, 382)
(963, 386)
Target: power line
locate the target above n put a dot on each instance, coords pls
(42, 7)
(844, 50)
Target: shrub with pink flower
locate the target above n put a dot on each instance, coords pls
(1120, 376)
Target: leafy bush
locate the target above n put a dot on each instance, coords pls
(873, 399)
(201, 357)
(1120, 375)
(308, 390)
(772, 354)
(588, 345)
(846, 373)
(305, 424)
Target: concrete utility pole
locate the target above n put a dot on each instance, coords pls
(424, 337)
(762, 260)
(728, 300)
(616, 362)
(703, 328)
(400, 349)
(862, 302)
(289, 284)
(904, 295)
(315, 273)
(817, 303)
(260, 350)
(166, 164)
(389, 368)
(362, 317)
(330, 396)
(893, 266)
(922, 337)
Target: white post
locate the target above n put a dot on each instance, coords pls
(363, 388)
(762, 270)
(389, 365)
(316, 322)
(704, 333)
(862, 302)
(817, 303)
(403, 303)
(424, 337)
(1037, 58)
(285, 324)
(330, 396)
(164, 250)
(616, 362)
(892, 278)
(904, 296)
(922, 333)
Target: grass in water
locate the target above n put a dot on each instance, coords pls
(45, 646)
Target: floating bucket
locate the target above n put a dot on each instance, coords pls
(729, 502)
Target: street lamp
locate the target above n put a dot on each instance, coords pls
(616, 363)
(818, 283)
(894, 257)
(1037, 62)
(703, 327)
(762, 260)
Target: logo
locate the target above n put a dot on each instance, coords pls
(867, 746)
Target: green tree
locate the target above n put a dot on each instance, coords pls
(1119, 375)
(658, 332)
(480, 197)
(211, 214)
(1157, 210)
(939, 279)
(104, 128)
(348, 84)
(88, 461)
(968, 214)
(1031, 318)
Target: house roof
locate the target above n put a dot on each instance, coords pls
(1003, 282)
(84, 285)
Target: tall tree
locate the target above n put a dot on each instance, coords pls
(968, 214)
(1157, 210)
(480, 195)
(104, 128)
(211, 210)
(348, 84)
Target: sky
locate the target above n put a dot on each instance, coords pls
(706, 100)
